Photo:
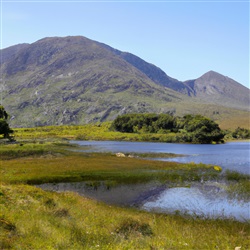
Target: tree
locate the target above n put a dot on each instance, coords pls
(4, 126)
(190, 128)
(202, 129)
(147, 123)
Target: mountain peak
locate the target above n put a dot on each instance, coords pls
(217, 88)
(74, 79)
(212, 74)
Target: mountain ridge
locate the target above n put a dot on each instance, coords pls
(77, 80)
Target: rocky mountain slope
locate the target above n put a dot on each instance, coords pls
(216, 88)
(73, 80)
(211, 87)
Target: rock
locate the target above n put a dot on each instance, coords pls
(120, 155)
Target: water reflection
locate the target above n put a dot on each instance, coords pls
(194, 201)
(208, 200)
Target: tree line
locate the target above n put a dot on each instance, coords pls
(189, 128)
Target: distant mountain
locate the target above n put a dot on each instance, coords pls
(73, 80)
(213, 87)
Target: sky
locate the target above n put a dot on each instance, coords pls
(184, 38)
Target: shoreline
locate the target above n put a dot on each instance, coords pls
(145, 195)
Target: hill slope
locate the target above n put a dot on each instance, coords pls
(74, 80)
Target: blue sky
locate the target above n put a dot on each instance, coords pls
(184, 38)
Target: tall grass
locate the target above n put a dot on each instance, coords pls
(31, 218)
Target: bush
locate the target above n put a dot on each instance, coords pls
(241, 133)
(146, 123)
(193, 128)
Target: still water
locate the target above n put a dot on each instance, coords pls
(205, 201)
(233, 155)
(209, 199)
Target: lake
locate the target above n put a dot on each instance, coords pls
(209, 199)
(233, 155)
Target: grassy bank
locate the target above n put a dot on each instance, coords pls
(98, 131)
(34, 219)
(31, 218)
(37, 162)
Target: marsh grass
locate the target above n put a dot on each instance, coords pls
(31, 218)
(73, 166)
(238, 185)
(236, 176)
(31, 148)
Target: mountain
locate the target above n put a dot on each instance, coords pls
(8, 53)
(211, 87)
(152, 72)
(216, 88)
(74, 80)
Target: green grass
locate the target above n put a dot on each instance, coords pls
(23, 149)
(31, 218)
(235, 176)
(31, 163)
(239, 185)
(96, 131)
